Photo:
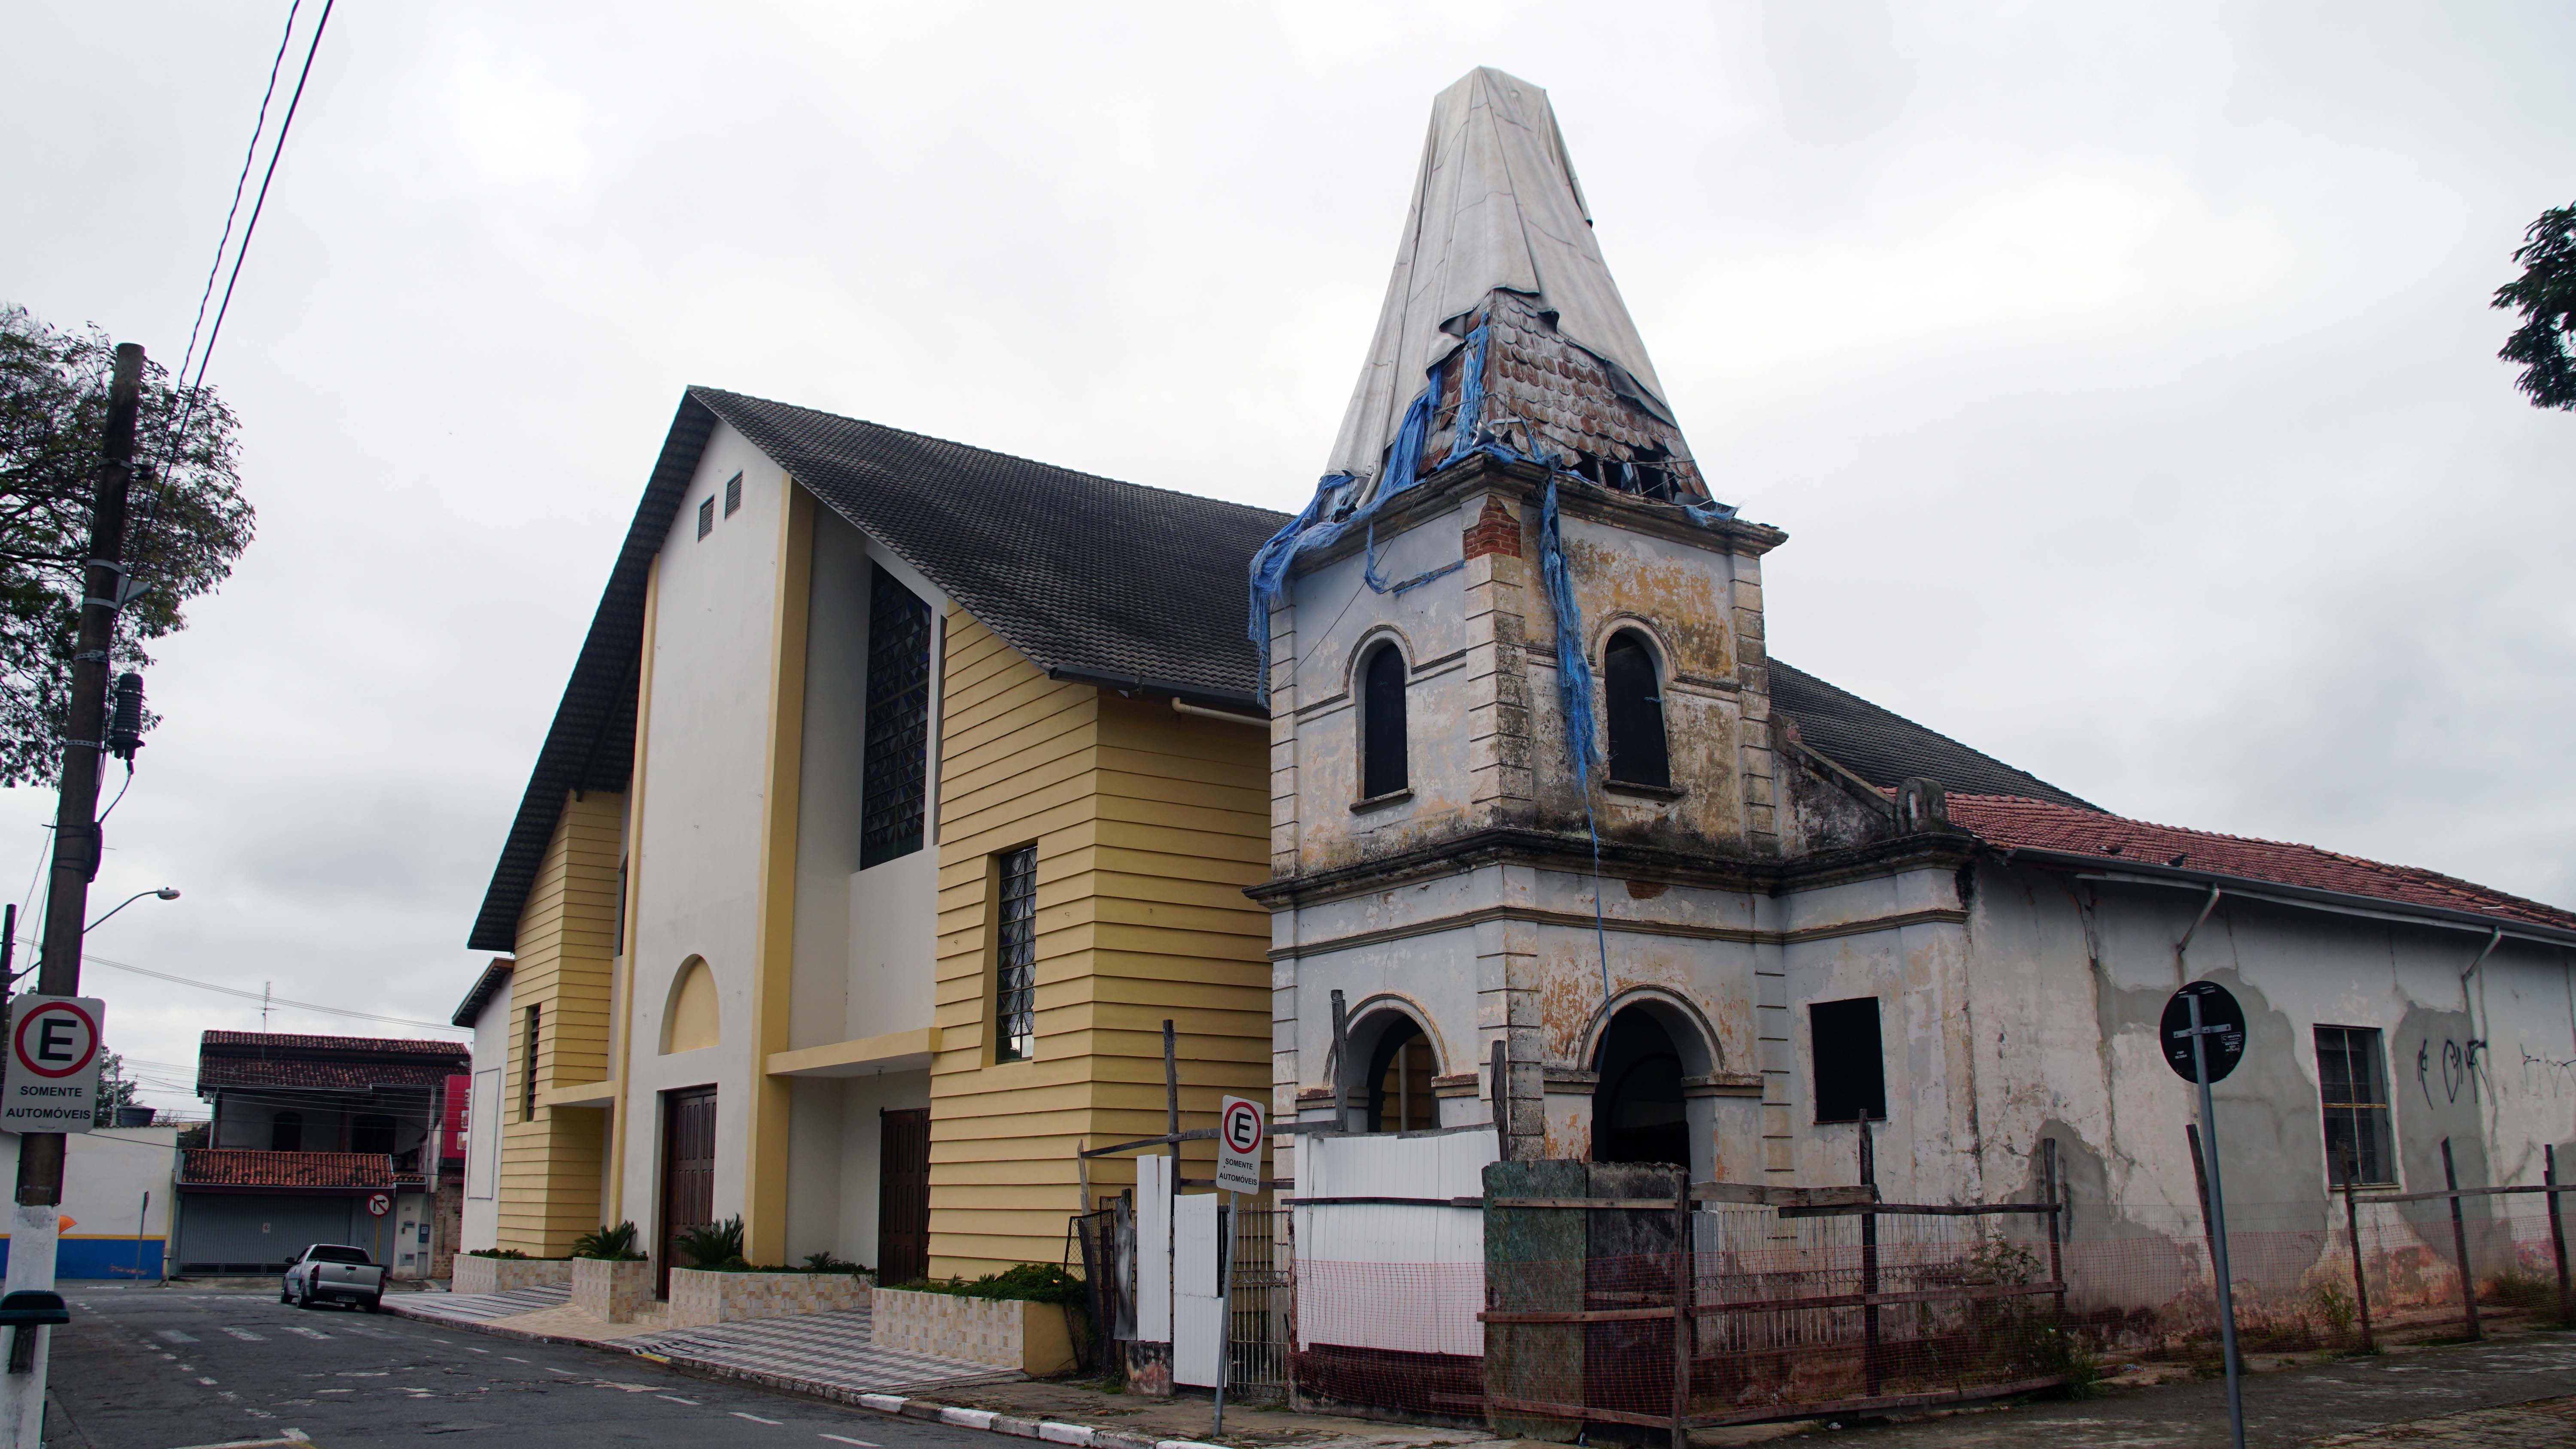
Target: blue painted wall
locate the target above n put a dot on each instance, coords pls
(85, 1257)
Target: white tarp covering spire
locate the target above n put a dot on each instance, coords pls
(1495, 206)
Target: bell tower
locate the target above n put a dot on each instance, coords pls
(1521, 758)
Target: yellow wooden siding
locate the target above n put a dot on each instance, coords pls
(550, 1162)
(1149, 824)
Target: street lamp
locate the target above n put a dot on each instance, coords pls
(165, 893)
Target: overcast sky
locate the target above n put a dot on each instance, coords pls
(2123, 376)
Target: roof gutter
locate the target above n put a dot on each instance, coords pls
(1233, 704)
(2090, 868)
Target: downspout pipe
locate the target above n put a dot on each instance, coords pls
(2198, 921)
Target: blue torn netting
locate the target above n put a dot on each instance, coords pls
(1573, 669)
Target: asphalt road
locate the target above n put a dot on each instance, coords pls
(144, 1367)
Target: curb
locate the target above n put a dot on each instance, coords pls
(1078, 1436)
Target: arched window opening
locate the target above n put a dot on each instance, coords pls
(1636, 700)
(1382, 768)
(373, 1132)
(691, 1020)
(1637, 1110)
(286, 1132)
(1400, 1073)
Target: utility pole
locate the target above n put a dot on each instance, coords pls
(37, 1220)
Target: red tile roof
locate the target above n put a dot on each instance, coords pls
(2016, 823)
(324, 1063)
(241, 1167)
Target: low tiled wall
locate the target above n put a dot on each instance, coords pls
(701, 1297)
(508, 1275)
(1005, 1333)
(611, 1291)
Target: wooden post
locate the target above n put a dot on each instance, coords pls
(1342, 1071)
(2460, 1244)
(1502, 1105)
(2557, 1233)
(2056, 1233)
(1869, 1358)
(1682, 1275)
(2352, 1230)
(1171, 1093)
(2200, 1181)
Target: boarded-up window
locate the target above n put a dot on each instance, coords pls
(528, 1069)
(1015, 967)
(897, 745)
(1382, 747)
(1851, 1068)
(2352, 1078)
(1635, 698)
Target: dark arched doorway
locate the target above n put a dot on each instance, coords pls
(1637, 1110)
(1400, 1072)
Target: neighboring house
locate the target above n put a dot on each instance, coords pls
(486, 1012)
(321, 1139)
(117, 1193)
(900, 790)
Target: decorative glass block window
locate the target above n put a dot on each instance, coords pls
(897, 746)
(733, 495)
(2352, 1078)
(1015, 958)
(706, 516)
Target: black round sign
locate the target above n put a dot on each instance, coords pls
(2222, 1025)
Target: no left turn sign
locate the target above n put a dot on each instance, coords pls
(51, 1084)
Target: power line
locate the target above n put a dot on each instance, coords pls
(241, 183)
(87, 958)
(188, 404)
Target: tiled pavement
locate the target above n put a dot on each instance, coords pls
(2540, 1424)
(481, 1307)
(829, 1353)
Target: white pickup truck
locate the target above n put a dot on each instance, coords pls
(329, 1272)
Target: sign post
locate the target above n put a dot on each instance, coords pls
(1239, 1132)
(2204, 1038)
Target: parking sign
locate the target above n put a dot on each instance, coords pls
(1238, 1146)
(51, 1084)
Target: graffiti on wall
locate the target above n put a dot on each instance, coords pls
(2458, 1065)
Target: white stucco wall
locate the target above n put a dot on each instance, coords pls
(481, 1222)
(696, 879)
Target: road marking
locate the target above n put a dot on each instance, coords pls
(514, 1358)
(244, 1334)
(755, 1418)
(308, 1332)
(629, 1388)
(357, 1373)
(844, 1439)
(172, 1335)
(550, 1368)
(675, 1398)
(206, 1381)
(335, 1391)
(469, 1348)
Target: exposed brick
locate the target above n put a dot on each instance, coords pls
(1495, 532)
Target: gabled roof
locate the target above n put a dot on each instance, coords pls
(1090, 578)
(2121, 844)
(307, 1171)
(485, 987)
(1886, 749)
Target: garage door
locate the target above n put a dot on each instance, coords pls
(246, 1233)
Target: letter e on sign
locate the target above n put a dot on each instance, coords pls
(51, 1084)
(1239, 1130)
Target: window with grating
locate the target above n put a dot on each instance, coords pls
(733, 495)
(897, 749)
(1015, 958)
(2354, 1085)
(706, 516)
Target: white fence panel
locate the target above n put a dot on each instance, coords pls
(1198, 1328)
(1154, 1248)
(1385, 1275)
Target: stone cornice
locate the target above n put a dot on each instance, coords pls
(1624, 926)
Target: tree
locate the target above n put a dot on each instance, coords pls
(188, 521)
(2545, 295)
(114, 1091)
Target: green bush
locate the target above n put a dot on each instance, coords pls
(616, 1245)
(1029, 1283)
(716, 1245)
(497, 1253)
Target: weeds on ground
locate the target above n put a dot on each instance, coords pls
(2520, 1288)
